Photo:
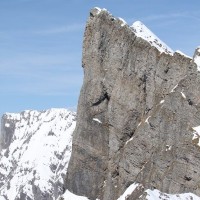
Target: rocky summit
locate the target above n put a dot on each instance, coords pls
(138, 120)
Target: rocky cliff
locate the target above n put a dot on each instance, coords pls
(138, 115)
(35, 151)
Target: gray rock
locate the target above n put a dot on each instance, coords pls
(7, 131)
(145, 134)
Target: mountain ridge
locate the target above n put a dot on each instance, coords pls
(36, 147)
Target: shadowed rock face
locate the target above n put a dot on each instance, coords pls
(136, 111)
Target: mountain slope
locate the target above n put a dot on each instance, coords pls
(36, 147)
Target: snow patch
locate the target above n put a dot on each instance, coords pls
(168, 148)
(97, 120)
(7, 125)
(196, 58)
(147, 120)
(183, 95)
(123, 21)
(70, 196)
(181, 53)
(162, 101)
(174, 88)
(139, 124)
(13, 116)
(142, 31)
(197, 129)
(157, 195)
(98, 10)
(129, 140)
(128, 191)
(196, 134)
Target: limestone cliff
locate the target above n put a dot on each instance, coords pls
(138, 115)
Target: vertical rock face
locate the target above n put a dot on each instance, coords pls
(35, 150)
(138, 114)
(7, 130)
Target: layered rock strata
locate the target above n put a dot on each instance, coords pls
(138, 115)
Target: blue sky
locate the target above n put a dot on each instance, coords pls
(41, 44)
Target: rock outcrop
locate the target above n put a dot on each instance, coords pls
(138, 115)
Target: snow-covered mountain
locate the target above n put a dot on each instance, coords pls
(36, 147)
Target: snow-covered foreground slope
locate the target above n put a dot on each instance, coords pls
(155, 194)
(70, 196)
(35, 155)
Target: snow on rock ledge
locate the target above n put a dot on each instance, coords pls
(70, 196)
(181, 53)
(142, 31)
(156, 194)
(128, 191)
(196, 58)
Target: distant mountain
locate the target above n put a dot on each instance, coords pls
(35, 151)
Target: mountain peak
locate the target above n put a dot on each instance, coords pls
(35, 151)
